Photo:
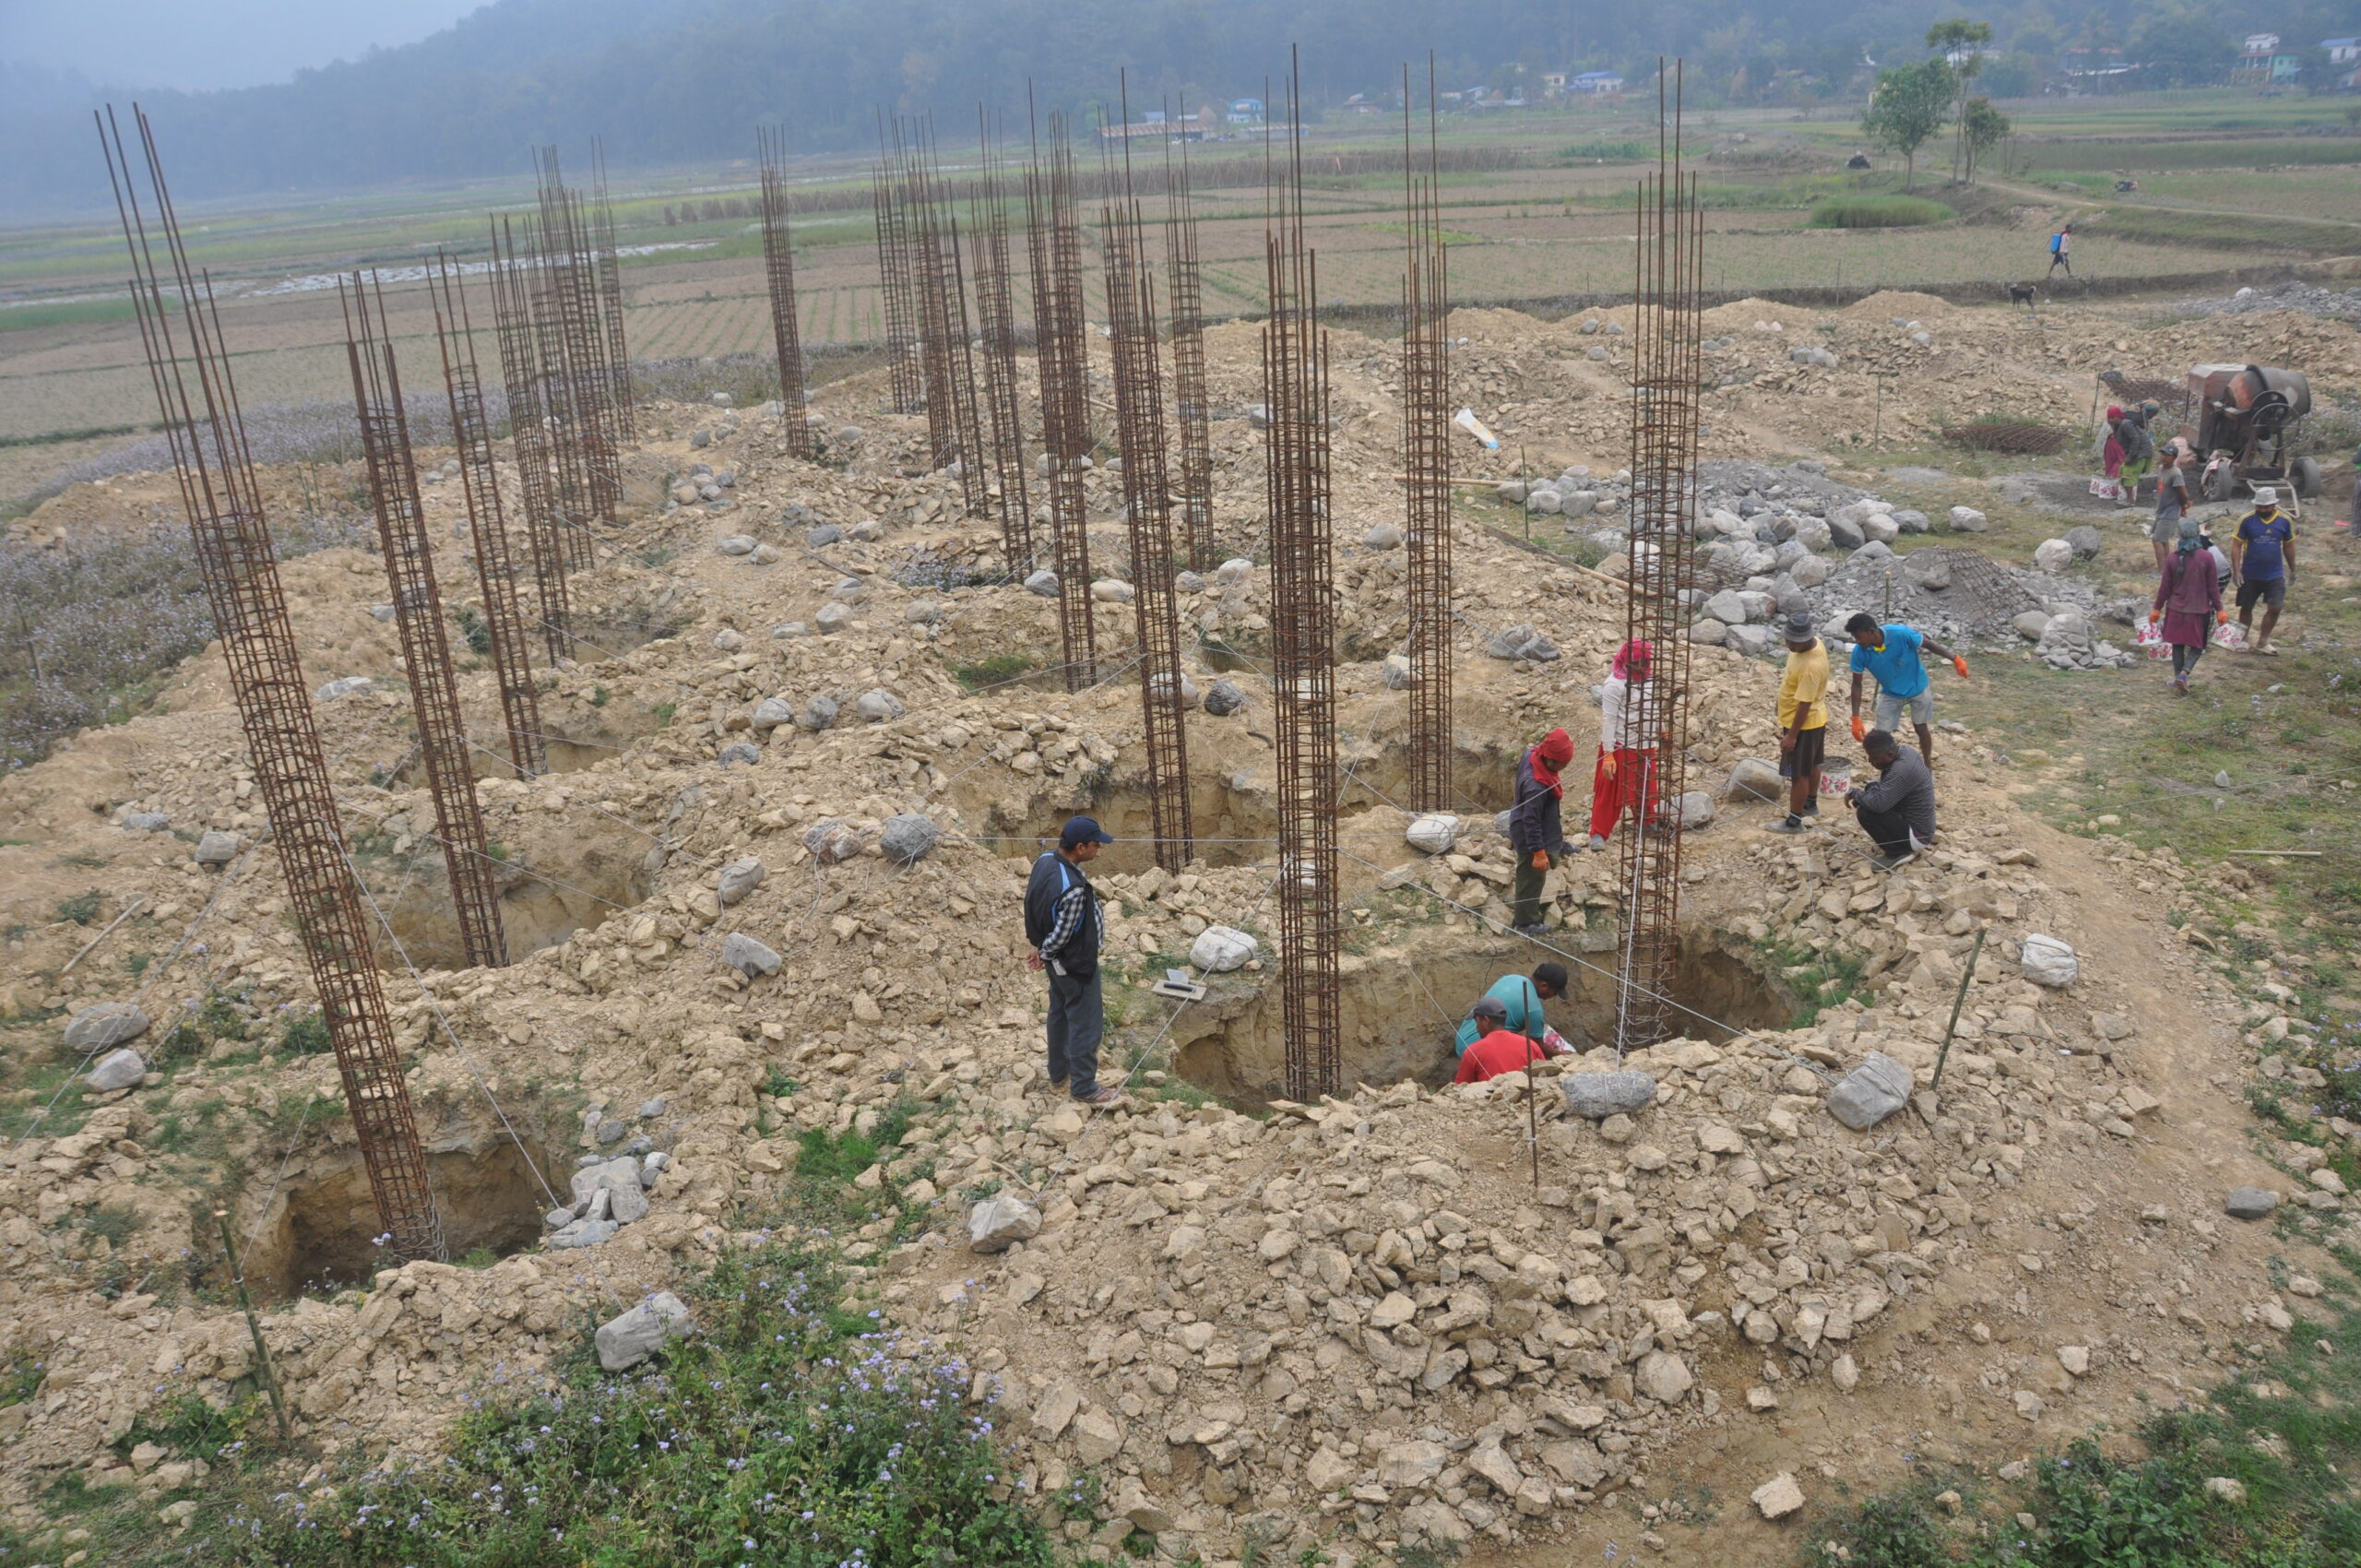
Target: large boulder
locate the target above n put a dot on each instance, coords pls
(1967, 520)
(1000, 1221)
(117, 1070)
(908, 837)
(1219, 949)
(1870, 1093)
(739, 878)
(1433, 833)
(831, 842)
(878, 705)
(1043, 582)
(748, 956)
(1754, 779)
(1696, 809)
(216, 849)
(2032, 625)
(626, 1341)
(2045, 960)
(1729, 607)
(1223, 698)
(772, 712)
(350, 686)
(1600, 1094)
(105, 1024)
(2053, 556)
(2086, 541)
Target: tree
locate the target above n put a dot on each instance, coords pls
(1907, 108)
(1960, 42)
(2182, 49)
(1982, 128)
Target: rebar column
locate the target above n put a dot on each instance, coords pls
(188, 364)
(955, 434)
(529, 424)
(1666, 361)
(611, 300)
(894, 279)
(1295, 389)
(996, 313)
(503, 618)
(1054, 238)
(778, 269)
(1426, 465)
(1196, 488)
(1147, 505)
(573, 338)
(408, 548)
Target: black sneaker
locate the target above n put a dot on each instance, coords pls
(1811, 809)
(1793, 823)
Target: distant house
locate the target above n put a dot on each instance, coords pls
(1245, 112)
(2264, 60)
(1553, 81)
(1597, 82)
(2341, 50)
(2094, 70)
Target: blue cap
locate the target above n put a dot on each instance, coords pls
(1080, 830)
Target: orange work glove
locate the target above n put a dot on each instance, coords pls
(1860, 730)
(2154, 616)
(1606, 764)
(1960, 664)
(1541, 860)
(2221, 617)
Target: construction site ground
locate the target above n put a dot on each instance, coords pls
(1359, 1327)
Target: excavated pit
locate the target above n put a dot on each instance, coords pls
(319, 1232)
(548, 890)
(1399, 1009)
(1234, 818)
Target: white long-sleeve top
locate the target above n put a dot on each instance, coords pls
(1620, 710)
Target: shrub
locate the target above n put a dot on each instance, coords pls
(1878, 212)
(81, 908)
(782, 1432)
(306, 1034)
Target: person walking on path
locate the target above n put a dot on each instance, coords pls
(1898, 810)
(2263, 558)
(1890, 653)
(1536, 832)
(1063, 924)
(1803, 721)
(2188, 602)
(1625, 779)
(2172, 503)
(1499, 1050)
(1520, 1000)
(2061, 245)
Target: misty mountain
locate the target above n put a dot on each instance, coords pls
(673, 81)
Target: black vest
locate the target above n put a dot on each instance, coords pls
(1053, 875)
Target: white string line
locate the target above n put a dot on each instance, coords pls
(1583, 963)
(263, 1210)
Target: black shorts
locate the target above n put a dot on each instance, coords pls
(2271, 591)
(1811, 746)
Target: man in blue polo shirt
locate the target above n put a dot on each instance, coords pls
(1890, 653)
(2263, 557)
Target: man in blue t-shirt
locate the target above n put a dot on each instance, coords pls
(2263, 557)
(1890, 653)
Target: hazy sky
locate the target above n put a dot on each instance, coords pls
(206, 44)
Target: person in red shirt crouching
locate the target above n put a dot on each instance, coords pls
(1498, 1048)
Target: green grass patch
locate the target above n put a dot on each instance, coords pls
(73, 313)
(82, 907)
(1817, 981)
(779, 1431)
(1609, 151)
(1878, 212)
(998, 669)
(306, 1034)
(664, 712)
(2107, 155)
(2283, 1436)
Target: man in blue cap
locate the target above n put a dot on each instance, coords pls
(1061, 923)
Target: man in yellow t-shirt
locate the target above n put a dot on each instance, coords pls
(1803, 721)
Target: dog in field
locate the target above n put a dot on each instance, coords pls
(2024, 295)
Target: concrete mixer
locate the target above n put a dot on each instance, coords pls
(2247, 420)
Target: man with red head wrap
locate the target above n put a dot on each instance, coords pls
(1535, 831)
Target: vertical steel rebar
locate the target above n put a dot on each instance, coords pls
(996, 314)
(1426, 463)
(954, 435)
(611, 298)
(188, 364)
(529, 425)
(1196, 489)
(408, 548)
(1054, 238)
(895, 283)
(1147, 508)
(571, 324)
(778, 269)
(1666, 364)
(503, 617)
(1295, 389)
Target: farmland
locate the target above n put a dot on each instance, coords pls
(2225, 181)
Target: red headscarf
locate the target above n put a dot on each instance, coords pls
(1638, 650)
(1556, 750)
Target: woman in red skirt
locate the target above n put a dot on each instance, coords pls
(1626, 777)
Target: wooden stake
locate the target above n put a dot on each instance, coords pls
(1957, 1003)
(128, 910)
(254, 1327)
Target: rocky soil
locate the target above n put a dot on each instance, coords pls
(771, 884)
